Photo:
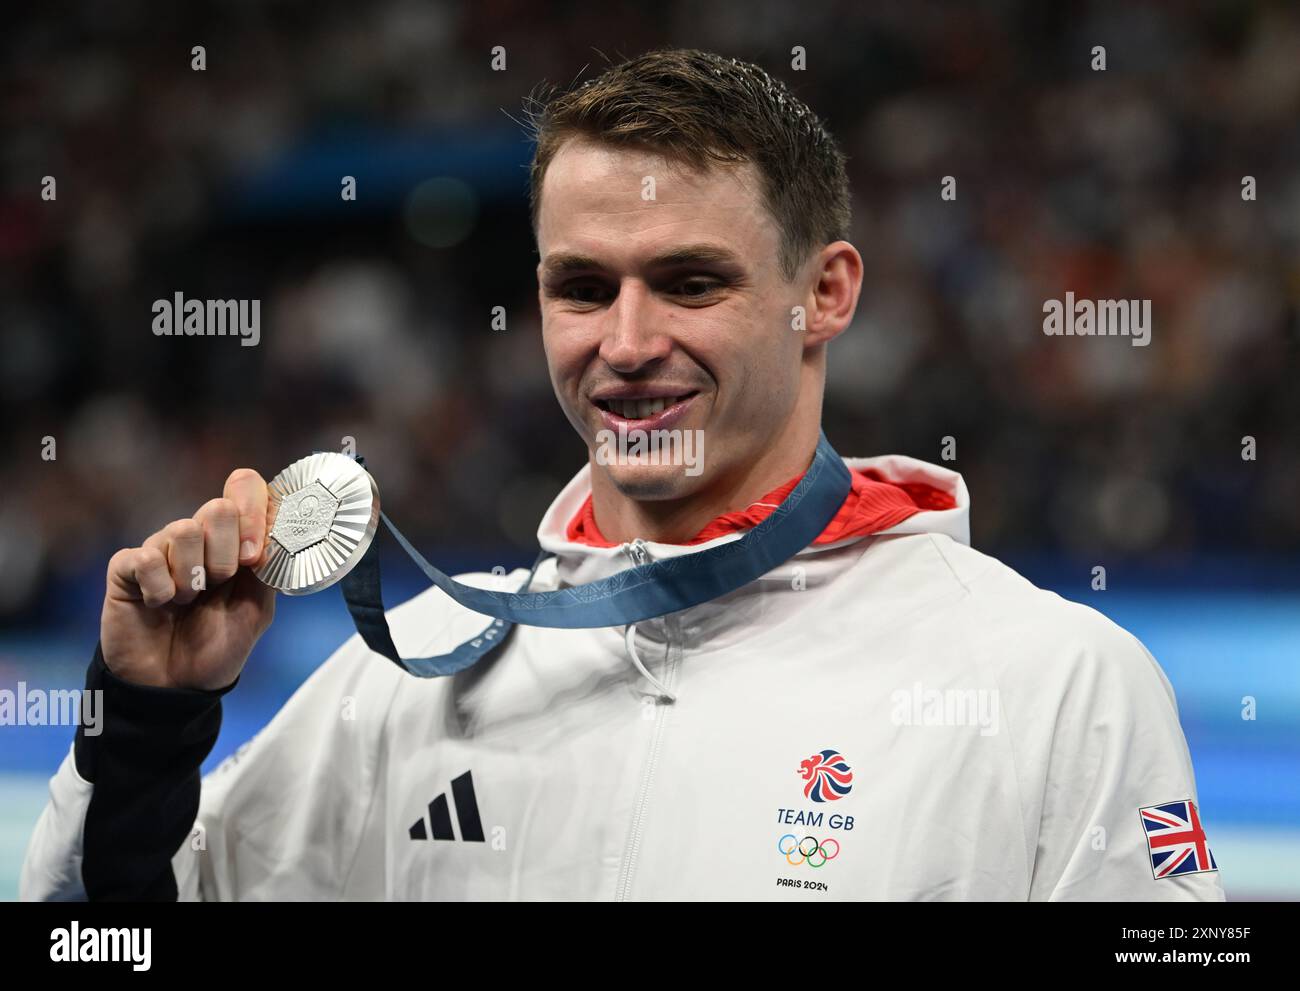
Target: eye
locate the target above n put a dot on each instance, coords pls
(697, 288)
(584, 293)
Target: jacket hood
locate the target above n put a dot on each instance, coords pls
(579, 563)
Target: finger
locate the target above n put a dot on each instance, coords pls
(184, 550)
(220, 521)
(247, 490)
(141, 573)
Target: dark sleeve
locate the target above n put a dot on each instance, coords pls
(144, 764)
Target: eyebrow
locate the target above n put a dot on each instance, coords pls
(566, 262)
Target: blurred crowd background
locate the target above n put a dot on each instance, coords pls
(376, 314)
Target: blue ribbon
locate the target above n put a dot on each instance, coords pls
(638, 593)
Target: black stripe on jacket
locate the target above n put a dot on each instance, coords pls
(144, 765)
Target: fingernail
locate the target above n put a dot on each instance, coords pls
(247, 549)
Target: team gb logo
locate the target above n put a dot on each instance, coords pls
(827, 775)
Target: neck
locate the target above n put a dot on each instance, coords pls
(622, 518)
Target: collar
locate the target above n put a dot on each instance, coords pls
(889, 494)
(873, 504)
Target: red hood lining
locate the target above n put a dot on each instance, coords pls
(873, 504)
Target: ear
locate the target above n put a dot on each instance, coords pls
(836, 281)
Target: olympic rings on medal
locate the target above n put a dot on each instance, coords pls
(805, 851)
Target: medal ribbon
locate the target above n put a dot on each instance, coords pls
(638, 593)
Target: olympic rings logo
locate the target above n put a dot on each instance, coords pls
(805, 852)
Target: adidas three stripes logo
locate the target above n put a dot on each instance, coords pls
(471, 827)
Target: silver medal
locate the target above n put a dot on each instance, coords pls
(323, 511)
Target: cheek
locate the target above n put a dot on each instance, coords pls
(568, 356)
(560, 353)
(765, 353)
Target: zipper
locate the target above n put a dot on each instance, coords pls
(638, 552)
(640, 555)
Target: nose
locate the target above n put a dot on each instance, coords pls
(633, 335)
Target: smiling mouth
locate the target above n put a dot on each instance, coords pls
(640, 409)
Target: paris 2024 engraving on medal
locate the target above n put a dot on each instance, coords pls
(304, 518)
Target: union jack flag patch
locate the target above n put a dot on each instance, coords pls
(1176, 840)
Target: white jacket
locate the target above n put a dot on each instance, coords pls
(999, 742)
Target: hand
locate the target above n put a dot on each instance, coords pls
(158, 628)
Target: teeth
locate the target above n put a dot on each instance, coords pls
(639, 409)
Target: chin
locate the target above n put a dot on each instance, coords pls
(647, 483)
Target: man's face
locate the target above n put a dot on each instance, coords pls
(665, 313)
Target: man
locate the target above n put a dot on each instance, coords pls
(888, 714)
